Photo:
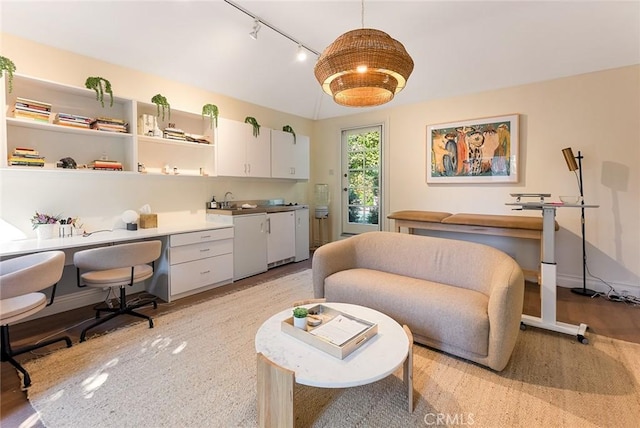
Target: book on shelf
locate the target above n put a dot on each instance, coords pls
(25, 150)
(194, 138)
(33, 103)
(23, 114)
(31, 110)
(74, 118)
(101, 126)
(23, 161)
(106, 165)
(111, 120)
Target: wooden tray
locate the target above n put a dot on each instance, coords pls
(327, 314)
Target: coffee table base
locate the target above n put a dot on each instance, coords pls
(275, 389)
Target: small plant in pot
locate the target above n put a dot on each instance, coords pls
(300, 317)
(101, 86)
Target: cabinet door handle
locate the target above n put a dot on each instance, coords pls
(268, 225)
(205, 236)
(249, 168)
(205, 272)
(204, 250)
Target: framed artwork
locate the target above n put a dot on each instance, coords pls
(473, 151)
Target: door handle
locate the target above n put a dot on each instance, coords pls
(345, 189)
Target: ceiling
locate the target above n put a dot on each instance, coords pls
(457, 47)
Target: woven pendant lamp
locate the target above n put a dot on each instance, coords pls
(363, 68)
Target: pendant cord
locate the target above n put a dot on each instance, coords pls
(362, 12)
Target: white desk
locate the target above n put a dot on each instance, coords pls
(26, 246)
(548, 284)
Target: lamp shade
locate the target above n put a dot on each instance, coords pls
(570, 159)
(363, 68)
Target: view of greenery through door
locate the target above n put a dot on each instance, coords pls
(361, 179)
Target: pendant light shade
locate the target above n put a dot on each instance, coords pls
(363, 68)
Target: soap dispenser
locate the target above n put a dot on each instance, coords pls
(213, 204)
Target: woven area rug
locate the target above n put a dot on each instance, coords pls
(196, 368)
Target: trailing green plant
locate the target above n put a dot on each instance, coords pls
(289, 129)
(300, 312)
(254, 123)
(161, 101)
(7, 65)
(100, 85)
(211, 110)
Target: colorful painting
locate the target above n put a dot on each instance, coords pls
(473, 151)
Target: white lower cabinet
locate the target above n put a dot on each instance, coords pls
(302, 234)
(194, 262)
(281, 238)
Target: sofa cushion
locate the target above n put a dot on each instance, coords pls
(444, 313)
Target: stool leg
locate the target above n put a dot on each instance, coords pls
(407, 371)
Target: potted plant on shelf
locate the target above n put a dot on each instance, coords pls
(100, 85)
(289, 129)
(211, 110)
(254, 123)
(161, 101)
(7, 65)
(44, 224)
(300, 317)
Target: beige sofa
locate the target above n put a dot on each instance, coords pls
(460, 297)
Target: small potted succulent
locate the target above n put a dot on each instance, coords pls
(253, 122)
(161, 102)
(211, 110)
(300, 317)
(7, 65)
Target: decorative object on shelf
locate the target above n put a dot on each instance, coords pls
(474, 151)
(363, 67)
(100, 85)
(211, 110)
(254, 123)
(289, 129)
(67, 163)
(570, 159)
(7, 65)
(130, 217)
(300, 317)
(161, 101)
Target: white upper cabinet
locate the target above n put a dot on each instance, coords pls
(289, 156)
(240, 153)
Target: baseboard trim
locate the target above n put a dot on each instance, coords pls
(571, 281)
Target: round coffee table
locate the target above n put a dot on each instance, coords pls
(283, 359)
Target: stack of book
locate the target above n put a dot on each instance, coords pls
(33, 110)
(174, 134)
(73, 120)
(109, 124)
(23, 156)
(109, 165)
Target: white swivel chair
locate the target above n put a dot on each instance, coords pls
(22, 280)
(117, 266)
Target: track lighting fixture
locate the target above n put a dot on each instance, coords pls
(256, 27)
(302, 54)
(303, 50)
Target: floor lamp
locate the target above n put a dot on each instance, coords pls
(571, 164)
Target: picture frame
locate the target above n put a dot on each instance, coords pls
(483, 150)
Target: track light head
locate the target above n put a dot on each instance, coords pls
(256, 27)
(302, 54)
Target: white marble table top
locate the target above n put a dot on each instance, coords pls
(376, 359)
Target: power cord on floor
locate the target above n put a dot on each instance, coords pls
(612, 294)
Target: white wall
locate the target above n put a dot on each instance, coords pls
(596, 113)
(99, 199)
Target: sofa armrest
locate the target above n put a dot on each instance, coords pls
(506, 301)
(329, 259)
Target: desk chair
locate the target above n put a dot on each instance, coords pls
(117, 266)
(21, 281)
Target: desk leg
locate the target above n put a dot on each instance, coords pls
(407, 369)
(548, 292)
(275, 394)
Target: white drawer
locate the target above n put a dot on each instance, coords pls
(200, 236)
(200, 273)
(187, 253)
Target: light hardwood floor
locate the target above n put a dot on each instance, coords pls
(604, 317)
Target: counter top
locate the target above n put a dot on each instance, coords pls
(32, 245)
(257, 210)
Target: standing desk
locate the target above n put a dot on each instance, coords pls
(548, 284)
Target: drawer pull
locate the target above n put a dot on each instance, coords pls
(205, 250)
(205, 236)
(205, 272)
